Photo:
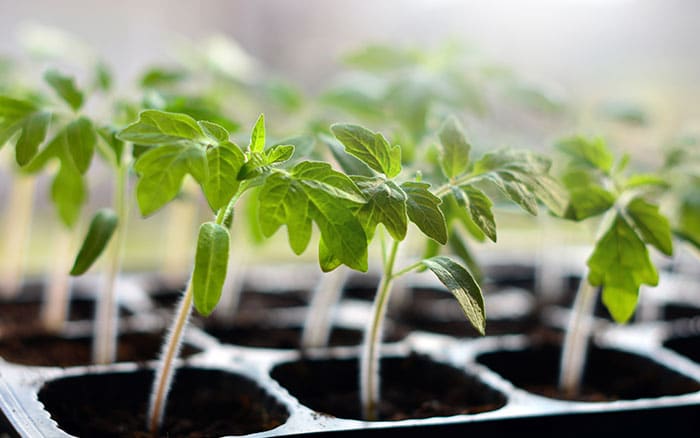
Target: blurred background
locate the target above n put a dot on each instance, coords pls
(625, 69)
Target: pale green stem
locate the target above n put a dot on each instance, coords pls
(17, 233)
(57, 288)
(104, 341)
(369, 360)
(318, 324)
(573, 358)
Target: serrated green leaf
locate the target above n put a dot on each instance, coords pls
(385, 203)
(34, 131)
(372, 148)
(161, 172)
(653, 227)
(322, 176)
(257, 136)
(214, 131)
(65, 87)
(588, 152)
(455, 149)
(102, 227)
(453, 211)
(68, 193)
(620, 263)
(423, 209)
(222, 182)
(211, 263)
(154, 128)
(326, 260)
(587, 202)
(348, 163)
(480, 210)
(281, 202)
(279, 153)
(463, 286)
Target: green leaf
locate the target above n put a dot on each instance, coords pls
(255, 166)
(34, 131)
(455, 149)
(211, 262)
(645, 179)
(224, 163)
(154, 128)
(65, 87)
(279, 153)
(371, 148)
(480, 210)
(162, 171)
(380, 58)
(588, 152)
(102, 227)
(423, 209)
(257, 136)
(653, 227)
(216, 132)
(159, 77)
(326, 260)
(588, 201)
(108, 134)
(103, 76)
(348, 163)
(688, 226)
(620, 263)
(78, 138)
(280, 202)
(322, 176)
(385, 203)
(463, 286)
(68, 193)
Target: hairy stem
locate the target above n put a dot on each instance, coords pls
(318, 324)
(104, 340)
(166, 365)
(574, 350)
(16, 235)
(369, 360)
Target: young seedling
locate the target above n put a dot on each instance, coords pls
(620, 261)
(522, 176)
(308, 192)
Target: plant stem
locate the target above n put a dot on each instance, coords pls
(57, 288)
(574, 350)
(369, 360)
(104, 340)
(17, 232)
(166, 368)
(318, 324)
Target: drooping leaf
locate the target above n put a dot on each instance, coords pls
(154, 128)
(224, 162)
(455, 149)
(588, 152)
(102, 227)
(423, 209)
(257, 136)
(281, 202)
(68, 193)
(372, 148)
(211, 262)
(34, 130)
(462, 285)
(385, 204)
(162, 170)
(480, 210)
(652, 226)
(620, 263)
(65, 87)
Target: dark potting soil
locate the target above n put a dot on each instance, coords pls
(688, 346)
(610, 374)
(48, 350)
(671, 311)
(411, 387)
(203, 403)
(249, 301)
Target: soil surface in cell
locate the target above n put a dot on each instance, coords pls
(203, 403)
(412, 387)
(609, 375)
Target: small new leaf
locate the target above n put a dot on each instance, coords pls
(279, 153)
(257, 136)
(102, 227)
(463, 286)
(372, 148)
(217, 133)
(423, 209)
(455, 149)
(211, 262)
(224, 163)
(65, 87)
(481, 212)
(653, 227)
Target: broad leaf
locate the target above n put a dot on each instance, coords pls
(348, 163)
(455, 149)
(65, 87)
(257, 136)
(76, 142)
(423, 209)
(281, 201)
(462, 285)
(385, 203)
(588, 152)
(211, 262)
(322, 176)
(102, 227)
(155, 128)
(224, 163)
(653, 227)
(34, 130)
(162, 171)
(620, 263)
(480, 210)
(588, 201)
(371, 148)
